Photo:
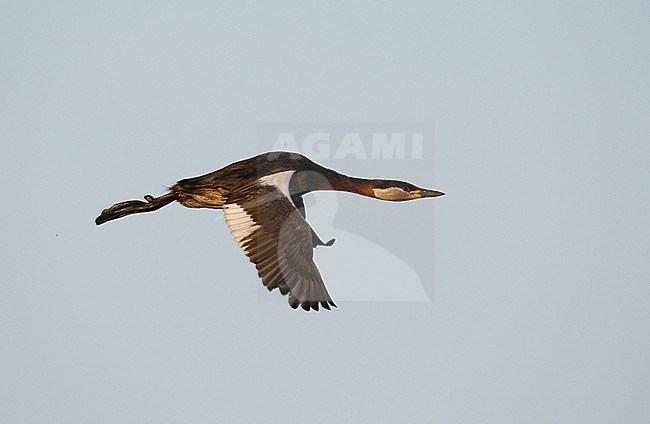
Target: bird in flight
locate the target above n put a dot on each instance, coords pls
(263, 206)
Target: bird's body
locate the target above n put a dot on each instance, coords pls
(262, 202)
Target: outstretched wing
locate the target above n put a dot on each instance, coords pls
(277, 239)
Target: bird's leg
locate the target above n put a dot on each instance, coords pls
(129, 207)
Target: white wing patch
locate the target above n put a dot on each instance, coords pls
(240, 222)
(280, 181)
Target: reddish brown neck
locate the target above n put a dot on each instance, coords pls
(325, 179)
(353, 185)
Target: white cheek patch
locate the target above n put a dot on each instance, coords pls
(240, 222)
(392, 193)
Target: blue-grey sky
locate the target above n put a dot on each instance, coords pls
(534, 267)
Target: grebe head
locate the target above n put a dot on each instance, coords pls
(397, 191)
